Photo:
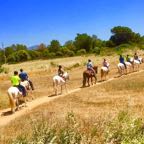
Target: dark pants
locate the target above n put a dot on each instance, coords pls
(125, 65)
(22, 89)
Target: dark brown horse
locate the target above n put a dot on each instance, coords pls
(87, 74)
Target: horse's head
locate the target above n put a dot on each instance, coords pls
(96, 69)
(66, 76)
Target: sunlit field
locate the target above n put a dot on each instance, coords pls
(108, 112)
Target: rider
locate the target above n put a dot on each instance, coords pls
(121, 59)
(23, 76)
(60, 71)
(90, 66)
(15, 80)
(128, 58)
(105, 63)
(136, 57)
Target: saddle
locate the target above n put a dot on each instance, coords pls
(90, 72)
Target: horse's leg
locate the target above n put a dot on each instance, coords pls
(84, 79)
(12, 102)
(66, 88)
(101, 74)
(17, 102)
(88, 81)
(95, 79)
(55, 87)
(91, 80)
(61, 89)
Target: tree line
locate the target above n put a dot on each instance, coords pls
(121, 38)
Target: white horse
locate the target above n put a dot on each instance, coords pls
(27, 86)
(104, 72)
(136, 64)
(121, 69)
(129, 66)
(57, 80)
(14, 94)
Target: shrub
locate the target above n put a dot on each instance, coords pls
(3, 69)
(81, 52)
(34, 54)
(96, 50)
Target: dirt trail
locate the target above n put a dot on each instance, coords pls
(6, 117)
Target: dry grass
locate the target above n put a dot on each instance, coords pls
(90, 105)
(93, 105)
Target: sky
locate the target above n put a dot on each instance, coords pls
(31, 22)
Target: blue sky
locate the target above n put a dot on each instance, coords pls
(32, 22)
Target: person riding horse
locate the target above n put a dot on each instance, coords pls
(106, 64)
(15, 80)
(136, 57)
(24, 76)
(60, 71)
(121, 59)
(128, 58)
(90, 67)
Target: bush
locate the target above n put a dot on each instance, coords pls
(67, 52)
(59, 54)
(81, 52)
(19, 56)
(51, 55)
(106, 51)
(34, 54)
(96, 50)
(3, 69)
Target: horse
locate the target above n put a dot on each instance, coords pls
(129, 66)
(28, 87)
(121, 69)
(87, 74)
(14, 94)
(135, 63)
(58, 80)
(104, 72)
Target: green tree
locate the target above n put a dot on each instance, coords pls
(9, 51)
(123, 35)
(70, 45)
(83, 41)
(54, 46)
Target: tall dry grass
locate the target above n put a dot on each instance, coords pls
(110, 113)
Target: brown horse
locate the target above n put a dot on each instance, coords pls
(87, 74)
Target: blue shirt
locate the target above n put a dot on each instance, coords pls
(23, 76)
(89, 65)
(121, 59)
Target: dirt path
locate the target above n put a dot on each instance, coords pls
(6, 117)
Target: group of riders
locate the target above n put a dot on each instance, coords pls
(128, 59)
(16, 80)
(23, 76)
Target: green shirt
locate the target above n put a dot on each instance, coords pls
(15, 80)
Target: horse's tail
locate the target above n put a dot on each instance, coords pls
(11, 99)
(84, 79)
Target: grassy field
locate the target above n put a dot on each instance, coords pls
(108, 113)
(41, 73)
